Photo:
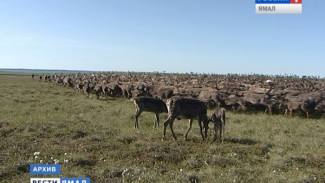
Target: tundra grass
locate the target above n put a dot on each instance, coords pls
(95, 138)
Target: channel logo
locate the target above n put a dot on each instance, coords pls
(75, 180)
(278, 1)
(278, 6)
(59, 180)
(52, 169)
(44, 180)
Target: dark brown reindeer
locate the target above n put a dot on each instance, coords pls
(219, 120)
(183, 107)
(149, 104)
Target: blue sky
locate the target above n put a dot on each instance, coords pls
(211, 36)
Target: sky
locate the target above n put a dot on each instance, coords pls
(209, 36)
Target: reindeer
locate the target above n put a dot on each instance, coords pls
(219, 120)
(188, 108)
(304, 106)
(149, 104)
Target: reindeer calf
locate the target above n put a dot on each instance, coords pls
(219, 120)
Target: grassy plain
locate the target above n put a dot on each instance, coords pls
(95, 138)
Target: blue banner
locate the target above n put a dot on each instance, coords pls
(272, 1)
(42, 169)
(75, 180)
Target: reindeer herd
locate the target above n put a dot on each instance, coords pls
(189, 95)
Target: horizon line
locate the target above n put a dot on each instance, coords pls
(163, 72)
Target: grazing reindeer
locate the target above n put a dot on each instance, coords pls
(219, 120)
(149, 104)
(188, 108)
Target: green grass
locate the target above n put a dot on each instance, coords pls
(95, 138)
